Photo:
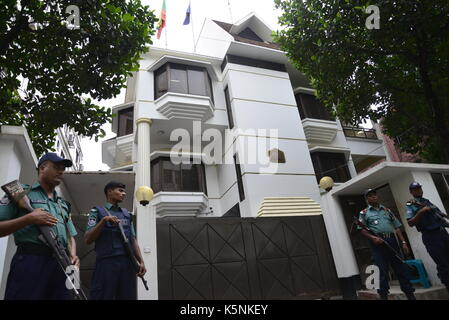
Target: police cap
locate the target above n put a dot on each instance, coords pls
(368, 191)
(53, 157)
(414, 185)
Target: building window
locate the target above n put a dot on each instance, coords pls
(238, 172)
(330, 164)
(125, 121)
(229, 108)
(310, 107)
(167, 176)
(229, 58)
(249, 34)
(174, 77)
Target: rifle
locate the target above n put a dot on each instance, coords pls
(363, 226)
(129, 251)
(16, 193)
(443, 217)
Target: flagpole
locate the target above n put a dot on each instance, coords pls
(193, 32)
(230, 11)
(166, 40)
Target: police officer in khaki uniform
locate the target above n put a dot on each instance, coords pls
(35, 273)
(385, 226)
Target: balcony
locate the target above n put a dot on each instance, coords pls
(185, 106)
(179, 204)
(117, 152)
(362, 133)
(319, 130)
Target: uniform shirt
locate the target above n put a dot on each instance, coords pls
(429, 220)
(56, 206)
(379, 221)
(93, 217)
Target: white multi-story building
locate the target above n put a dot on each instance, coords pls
(68, 146)
(283, 142)
(238, 79)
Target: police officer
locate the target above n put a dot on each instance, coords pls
(385, 226)
(425, 216)
(114, 276)
(34, 273)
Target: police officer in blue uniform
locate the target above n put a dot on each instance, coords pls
(385, 226)
(114, 276)
(429, 220)
(34, 273)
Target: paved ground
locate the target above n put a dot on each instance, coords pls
(432, 293)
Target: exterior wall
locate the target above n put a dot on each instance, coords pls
(341, 247)
(263, 99)
(9, 170)
(366, 146)
(213, 40)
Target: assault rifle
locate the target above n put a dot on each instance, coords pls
(15, 193)
(364, 227)
(443, 217)
(129, 251)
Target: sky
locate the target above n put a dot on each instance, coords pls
(179, 37)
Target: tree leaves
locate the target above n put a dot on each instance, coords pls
(401, 68)
(62, 65)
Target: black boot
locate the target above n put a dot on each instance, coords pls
(410, 296)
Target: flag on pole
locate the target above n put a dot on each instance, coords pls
(162, 20)
(187, 19)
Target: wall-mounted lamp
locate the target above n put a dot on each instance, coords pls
(327, 183)
(144, 195)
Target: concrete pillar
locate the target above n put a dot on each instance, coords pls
(399, 187)
(338, 235)
(10, 167)
(146, 216)
(351, 167)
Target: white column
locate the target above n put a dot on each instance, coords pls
(340, 243)
(351, 167)
(146, 216)
(10, 166)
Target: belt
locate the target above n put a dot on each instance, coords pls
(385, 234)
(35, 249)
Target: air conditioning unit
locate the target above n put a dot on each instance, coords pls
(71, 140)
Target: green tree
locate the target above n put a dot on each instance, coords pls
(64, 64)
(398, 73)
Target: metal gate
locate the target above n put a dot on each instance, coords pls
(245, 258)
(85, 252)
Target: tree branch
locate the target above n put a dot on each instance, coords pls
(21, 24)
